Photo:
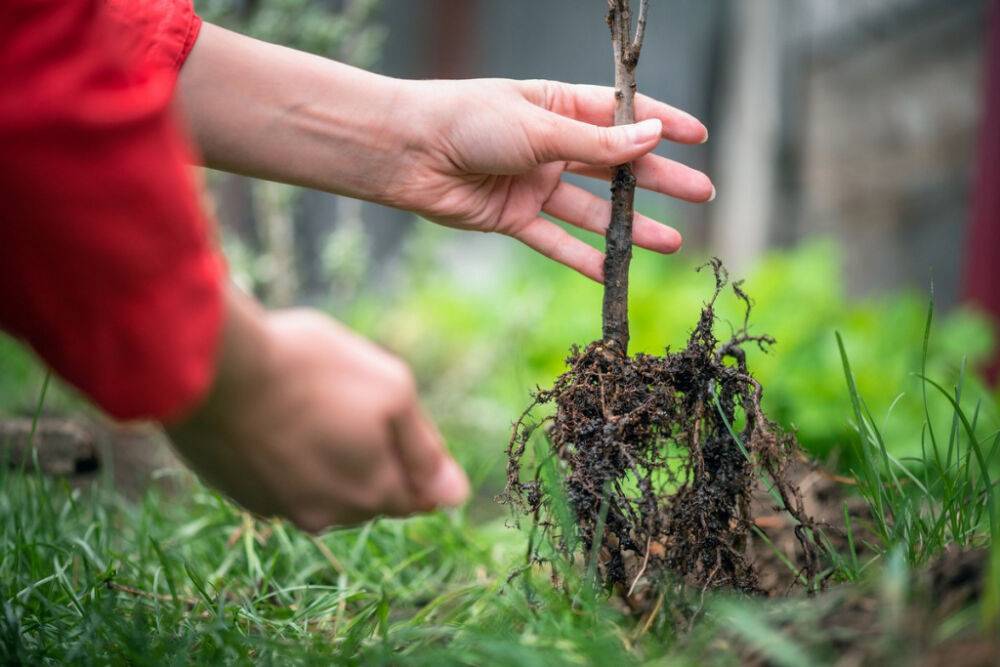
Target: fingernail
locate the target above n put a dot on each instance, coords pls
(712, 198)
(705, 140)
(450, 487)
(644, 132)
(679, 243)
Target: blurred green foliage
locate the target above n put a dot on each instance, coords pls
(343, 30)
(347, 31)
(482, 337)
(484, 325)
(21, 379)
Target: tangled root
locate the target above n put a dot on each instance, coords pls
(654, 467)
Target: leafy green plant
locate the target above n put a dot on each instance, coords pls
(310, 25)
(478, 335)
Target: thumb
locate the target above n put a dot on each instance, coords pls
(561, 138)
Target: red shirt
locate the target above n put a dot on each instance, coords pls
(108, 268)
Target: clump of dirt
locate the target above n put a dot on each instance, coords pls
(831, 500)
(661, 457)
(868, 624)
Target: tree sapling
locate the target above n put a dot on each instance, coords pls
(659, 455)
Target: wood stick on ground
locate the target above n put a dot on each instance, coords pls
(618, 248)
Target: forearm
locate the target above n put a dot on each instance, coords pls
(480, 154)
(267, 111)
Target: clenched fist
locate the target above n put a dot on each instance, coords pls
(308, 421)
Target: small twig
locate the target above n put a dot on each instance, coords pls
(234, 536)
(839, 479)
(650, 617)
(769, 521)
(159, 597)
(645, 562)
(640, 30)
(328, 555)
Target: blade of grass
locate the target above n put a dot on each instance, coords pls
(976, 449)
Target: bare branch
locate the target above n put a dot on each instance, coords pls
(640, 30)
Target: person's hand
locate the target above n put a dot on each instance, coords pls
(484, 154)
(308, 421)
(488, 155)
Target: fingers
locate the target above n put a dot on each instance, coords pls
(596, 104)
(587, 211)
(659, 174)
(433, 477)
(556, 243)
(556, 138)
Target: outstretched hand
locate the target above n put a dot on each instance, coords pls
(481, 154)
(489, 155)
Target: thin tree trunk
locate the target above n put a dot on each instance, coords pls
(618, 248)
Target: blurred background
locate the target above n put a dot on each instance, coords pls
(855, 145)
(854, 120)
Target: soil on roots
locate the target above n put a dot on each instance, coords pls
(660, 458)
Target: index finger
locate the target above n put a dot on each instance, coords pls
(596, 105)
(433, 477)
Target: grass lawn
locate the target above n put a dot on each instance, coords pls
(87, 577)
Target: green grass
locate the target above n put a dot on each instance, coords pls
(87, 577)
(946, 496)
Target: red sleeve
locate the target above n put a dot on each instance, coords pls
(155, 34)
(109, 270)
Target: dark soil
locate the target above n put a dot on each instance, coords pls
(866, 626)
(661, 457)
(826, 496)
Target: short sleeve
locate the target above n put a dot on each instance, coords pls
(110, 269)
(154, 34)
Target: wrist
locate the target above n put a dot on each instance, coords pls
(274, 113)
(243, 362)
(355, 131)
(418, 121)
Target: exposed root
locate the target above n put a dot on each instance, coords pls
(673, 447)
